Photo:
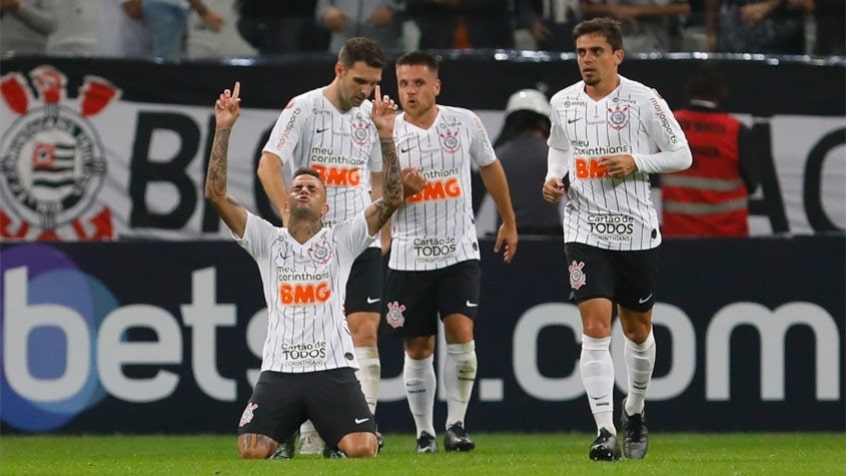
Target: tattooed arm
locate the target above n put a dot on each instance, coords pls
(226, 111)
(380, 211)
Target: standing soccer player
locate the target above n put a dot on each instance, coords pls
(308, 361)
(434, 263)
(329, 129)
(608, 134)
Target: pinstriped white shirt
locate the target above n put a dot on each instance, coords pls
(436, 227)
(344, 146)
(614, 214)
(304, 286)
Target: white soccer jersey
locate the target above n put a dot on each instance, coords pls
(614, 214)
(304, 286)
(435, 228)
(343, 146)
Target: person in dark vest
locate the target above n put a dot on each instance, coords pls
(711, 197)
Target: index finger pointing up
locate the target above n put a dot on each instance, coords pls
(378, 93)
(237, 89)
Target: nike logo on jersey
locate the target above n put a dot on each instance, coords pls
(359, 421)
(643, 300)
(371, 300)
(471, 304)
(570, 121)
(403, 151)
(321, 131)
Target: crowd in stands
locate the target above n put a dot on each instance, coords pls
(209, 28)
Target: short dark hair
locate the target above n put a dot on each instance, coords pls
(419, 58)
(308, 171)
(364, 49)
(607, 27)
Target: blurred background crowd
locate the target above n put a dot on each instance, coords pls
(225, 28)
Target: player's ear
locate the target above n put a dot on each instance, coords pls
(620, 54)
(339, 69)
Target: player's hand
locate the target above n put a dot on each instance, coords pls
(227, 108)
(553, 190)
(413, 182)
(506, 240)
(383, 113)
(618, 166)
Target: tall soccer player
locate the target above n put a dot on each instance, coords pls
(434, 269)
(329, 129)
(608, 134)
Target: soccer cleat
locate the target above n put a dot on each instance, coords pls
(332, 453)
(456, 439)
(311, 443)
(380, 440)
(635, 434)
(426, 443)
(604, 447)
(286, 449)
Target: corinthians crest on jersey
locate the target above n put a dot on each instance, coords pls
(52, 163)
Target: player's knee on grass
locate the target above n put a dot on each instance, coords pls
(359, 445)
(252, 446)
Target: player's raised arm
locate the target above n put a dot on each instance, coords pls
(227, 108)
(379, 212)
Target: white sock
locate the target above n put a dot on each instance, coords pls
(640, 361)
(420, 387)
(369, 374)
(459, 376)
(597, 370)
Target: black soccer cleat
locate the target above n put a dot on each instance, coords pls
(635, 434)
(286, 449)
(380, 441)
(456, 439)
(426, 443)
(604, 447)
(332, 453)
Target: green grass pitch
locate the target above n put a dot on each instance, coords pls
(676, 454)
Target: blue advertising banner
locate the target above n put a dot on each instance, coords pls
(166, 337)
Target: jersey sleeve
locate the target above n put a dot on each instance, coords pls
(288, 130)
(481, 150)
(559, 147)
(663, 126)
(352, 236)
(258, 235)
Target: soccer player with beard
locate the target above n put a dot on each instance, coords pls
(328, 129)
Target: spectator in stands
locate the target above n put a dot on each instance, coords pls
(76, 32)
(711, 197)
(550, 22)
(830, 17)
(522, 151)
(374, 19)
(25, 25)
(649, 26)
(120, 31)
(167, 22)
(463, 24)
(277, 27)
(756, 26)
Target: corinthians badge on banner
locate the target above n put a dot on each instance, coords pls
(52, 162)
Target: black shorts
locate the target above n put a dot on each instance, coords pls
(331, 399)
(364, 288)
(414, 299)
(629, 278)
